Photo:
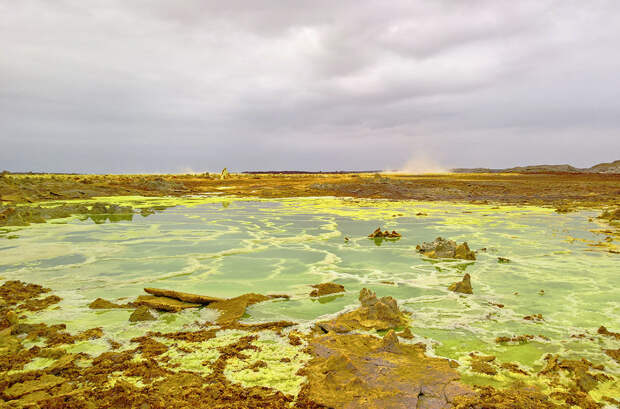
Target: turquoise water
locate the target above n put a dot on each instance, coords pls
(226, 246)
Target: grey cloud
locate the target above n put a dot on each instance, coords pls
(154, 85)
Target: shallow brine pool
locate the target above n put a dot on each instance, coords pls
(225, 247)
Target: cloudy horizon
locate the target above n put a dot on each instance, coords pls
(158, 86)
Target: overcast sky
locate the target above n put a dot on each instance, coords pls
(196, 85)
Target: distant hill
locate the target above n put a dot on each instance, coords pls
(611, 167)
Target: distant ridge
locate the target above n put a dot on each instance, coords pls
(610, 167)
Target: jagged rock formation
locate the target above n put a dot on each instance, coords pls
(463, 286)
(442, 248)
(374, 314)
(378, 234)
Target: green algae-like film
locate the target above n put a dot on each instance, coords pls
(551, 264)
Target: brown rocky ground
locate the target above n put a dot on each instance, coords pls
(552, 189)
(347, 368)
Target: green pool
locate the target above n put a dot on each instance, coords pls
(226, 246)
